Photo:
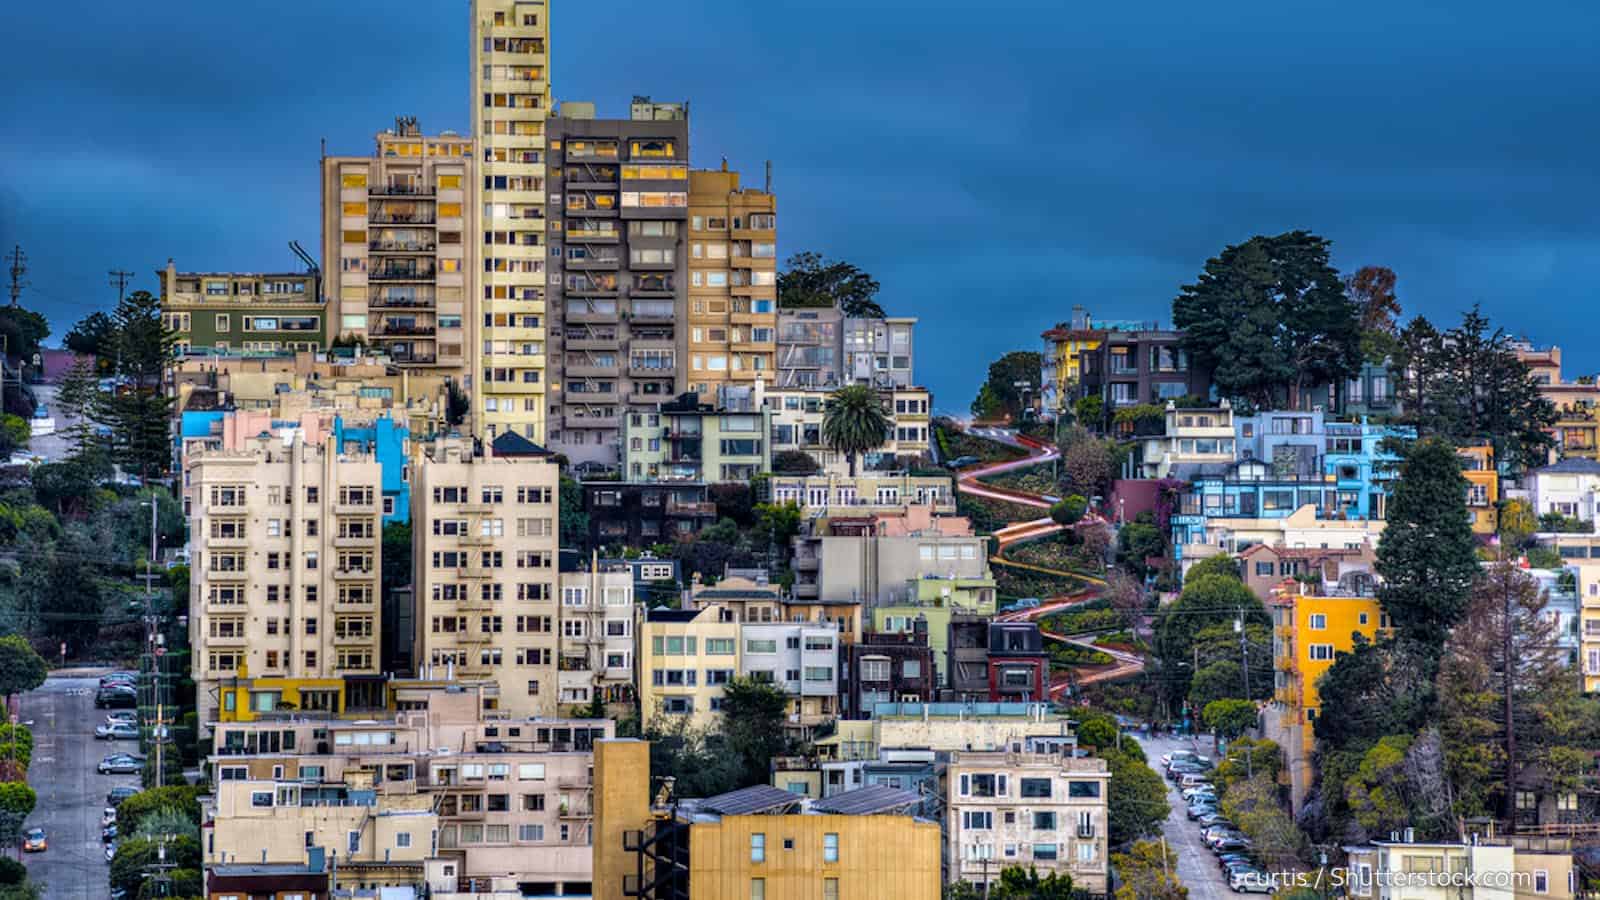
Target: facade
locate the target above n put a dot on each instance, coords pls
(618, 270)
(877, 570)
(1308, 632)
(1483, 487)
(802, 660)
(754, 842)
(399, 239)
(831, 496)
(690, 441)
(1581, 553)
(1501, 868)
(1300, 529)
(439, 795)
(1192, 438)
(797, 425)
(685, 657)
(1042, 810)
(1351, 570)
(1569, 488)
(733, 282)
(255, 313)
(824, 349)
(510, 99)
(286, 563)
(886, 668)
(484, 570)
(597, 649)
(1019, 667)
(638, 514)
(1061, 366)
(1130, 368)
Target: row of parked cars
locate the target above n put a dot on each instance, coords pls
(118, 690)
(1191, 772)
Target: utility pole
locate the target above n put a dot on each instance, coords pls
(119, 280)
(19, 267)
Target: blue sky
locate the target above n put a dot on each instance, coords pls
(992, 164)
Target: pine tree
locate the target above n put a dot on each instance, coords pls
(1426, 555)
(137, 410)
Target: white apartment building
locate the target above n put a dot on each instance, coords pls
(1042, 810)
(801, 659)
(285, 557)
(1569, 488)
(485, 522)
(597, 636)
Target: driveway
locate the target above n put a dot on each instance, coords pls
(71, 794)
(1197, 866)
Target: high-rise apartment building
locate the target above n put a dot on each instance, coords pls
(733, 282)
(284, 595)
(485, 576)
(511, 102)
(618, 213)
(398, 238)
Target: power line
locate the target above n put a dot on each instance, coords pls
(119, 280)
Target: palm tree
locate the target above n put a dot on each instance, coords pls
(854, 422)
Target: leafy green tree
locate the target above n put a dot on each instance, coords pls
(171, 771)
(1069, 510)
(1516, 523)
(854, 422)
(1088, 467)
(778, 523)
(93, 335)
(1137, 544)
(1210, 600)
(184, 800)
(1096, 729)
(1013, 382)
(1509, 699)
(1090, 412)
(75, 401)
(22, 890)
(17, 798)
(1374, 690)
(793, 462)
(753, 714)
(1230, 718)
(21, 331)
(1221, 564)
(1379, 794)
(1468, 385)
(396, 571)
(1246, 758)
(12, 872)
(810, 281)
(136, 855)
(1136, 798)
(168, 821)
(457, 404)
(1253, 805)
(1427, 556)
(15, 432)
(1270, 319)
(1371, 289)
(1018, 883)
(1149, 871)
(21, 669)
(574, 521)
(1220, 679)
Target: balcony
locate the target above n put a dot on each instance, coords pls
(591, 370)
(691, 508)
(383, 218)
(577, 314)
(239, 574)
(574, 420)
(651, 370)
(650, 316)
(806, 563)
(400, 303)
(387, 330)
(402, 274)
(228, 640)
(412, 359)
(354, 540)
(352, 637)
(591, 398)
(400, 190)
(401, 246)
(341, 574)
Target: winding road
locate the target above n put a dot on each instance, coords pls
(1123, 664)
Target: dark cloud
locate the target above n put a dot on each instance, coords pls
(991, 164)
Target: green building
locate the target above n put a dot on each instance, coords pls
(689, 441)
(249, 312)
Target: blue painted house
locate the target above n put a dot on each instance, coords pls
(1289, 459)
(388, 441)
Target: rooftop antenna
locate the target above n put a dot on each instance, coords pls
(769, 176)
(311, 264)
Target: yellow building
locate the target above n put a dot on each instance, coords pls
(685, 656)
(1483, 487)
(397, 237)
(755, 843)
(733, 282)
(511, 102)
(1061, 368)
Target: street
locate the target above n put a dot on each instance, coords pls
(71, 793)
(1197, 866)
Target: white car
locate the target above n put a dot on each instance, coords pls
(109, 817)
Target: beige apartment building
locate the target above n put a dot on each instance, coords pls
(597, 642)
(510, 100)
(399, 242)
(733, 282)
(485, 522)
(285, 561)
(1042, 810)
(441, 793)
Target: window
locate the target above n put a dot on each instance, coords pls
(1264, 569)
(758, 847)
(1044, 851)
(1541, 881)
(402, 839)
(1044, 821)
(1036, 787)
(874, 670)
(261, 798)
(977, 820)
(1319, 621)
(1083, 789)
(1320, 652)
(830, 847)
(830, 889)
(758, 889)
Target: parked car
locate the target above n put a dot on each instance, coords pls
(1203, 798)
(1232, 842)
(1214, 822)
(116, 795)
(1177, 770)
(1201, 809)
(116, 697)
(109, 817)
(1024, 603)
(1230, 858)
(1167, 759)
(962, 462)
(119, 731)
(122, 715)
(34, 841)
(111, 851)
(1250, 881)
(108, 834)
(122, 676)
(121, 764)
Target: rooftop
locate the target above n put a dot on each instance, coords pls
(1573, 466)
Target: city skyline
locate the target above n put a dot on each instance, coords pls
(1464, 176)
